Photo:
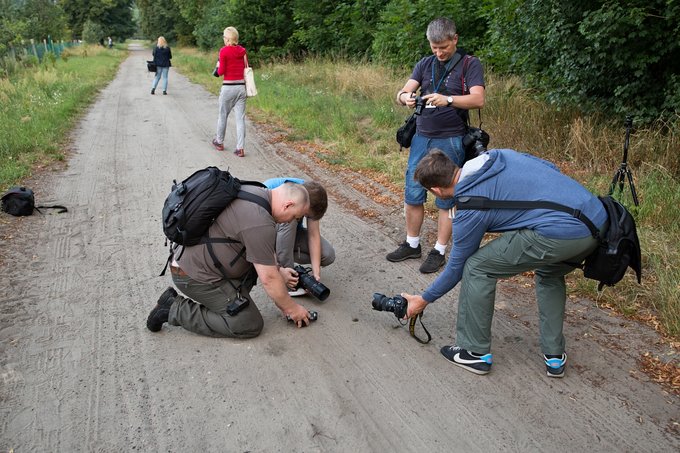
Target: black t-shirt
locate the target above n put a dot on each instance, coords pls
(443, 122)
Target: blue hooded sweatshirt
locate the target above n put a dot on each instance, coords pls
(510, 175)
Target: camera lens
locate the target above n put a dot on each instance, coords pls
(396, 304)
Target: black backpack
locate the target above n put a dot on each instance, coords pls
(619, 246)
(194, 204)
(20, 201)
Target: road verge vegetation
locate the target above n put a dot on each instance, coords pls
(40, 103)
(347, 110)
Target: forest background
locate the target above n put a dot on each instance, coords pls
(561, 79)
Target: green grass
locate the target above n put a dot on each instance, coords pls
(349, 110)
(39, 106)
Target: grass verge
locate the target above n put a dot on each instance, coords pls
(40, 105)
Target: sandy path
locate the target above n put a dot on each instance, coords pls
(79, 371)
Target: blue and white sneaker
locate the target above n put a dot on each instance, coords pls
(476, 363)
(555, 364)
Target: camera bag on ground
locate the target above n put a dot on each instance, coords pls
(194, 204)
(618, 246)
(20, 201)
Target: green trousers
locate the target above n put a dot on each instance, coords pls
(209, 316)
(512, 253)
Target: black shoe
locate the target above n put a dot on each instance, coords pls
(476, 363)
(433, 262)
(165, 92)
(404, 252)
(153, 91)
(159, 314)
(555, 364)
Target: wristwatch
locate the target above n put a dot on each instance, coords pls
(449, 101)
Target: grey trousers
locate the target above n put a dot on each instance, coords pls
(292, 246)
(209, 316)
(232, 97)
(513, 253)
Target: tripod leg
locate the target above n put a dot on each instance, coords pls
(622, 176)
(632, 188)
(618, 178)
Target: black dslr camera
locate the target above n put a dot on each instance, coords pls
(475, 142)
(396, 304)
(420, 105)
(307, 281)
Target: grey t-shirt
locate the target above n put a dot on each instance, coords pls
(248, 223)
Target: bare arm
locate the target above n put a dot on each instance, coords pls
(314, 243)
(275, 288)
(474, 100)
(406, 95)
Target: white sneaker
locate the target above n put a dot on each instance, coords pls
(297, 292)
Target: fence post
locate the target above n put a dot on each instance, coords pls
(35, 51)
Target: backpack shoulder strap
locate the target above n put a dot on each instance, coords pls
(243, 195)
(61, 209)
(484, 204)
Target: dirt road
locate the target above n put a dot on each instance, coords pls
(79, 371)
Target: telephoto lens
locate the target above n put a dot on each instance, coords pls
(310, 284)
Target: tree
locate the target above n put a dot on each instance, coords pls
(400, 32)
(93, 32)
(115, 16)
(598, 55)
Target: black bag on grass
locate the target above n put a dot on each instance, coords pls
(20, 201)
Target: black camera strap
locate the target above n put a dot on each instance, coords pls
(412, 328)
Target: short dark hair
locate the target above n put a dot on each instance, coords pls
(435, 170)
(318, 200)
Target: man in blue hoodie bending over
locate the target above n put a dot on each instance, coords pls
(541, 240)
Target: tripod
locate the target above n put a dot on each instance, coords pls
(623, 172)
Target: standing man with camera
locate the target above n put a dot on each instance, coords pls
(450, 83)
(545, 241)
(244, 245)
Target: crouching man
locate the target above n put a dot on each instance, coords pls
(297, 243)
(218, 302)
(541, 240)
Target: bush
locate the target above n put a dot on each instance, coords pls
(92, 32)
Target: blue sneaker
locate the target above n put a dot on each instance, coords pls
(555, 364)
(476, 363)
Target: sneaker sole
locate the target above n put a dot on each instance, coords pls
(430, 271)
(555, 375)
(392, 260)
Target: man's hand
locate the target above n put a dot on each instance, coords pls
(299, 315)
(416, 304)
(290, 277)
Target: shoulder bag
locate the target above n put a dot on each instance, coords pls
(249, 77)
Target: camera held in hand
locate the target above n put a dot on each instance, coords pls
(420, 105)
(396, 304)
(475, 142)
(307, 281)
